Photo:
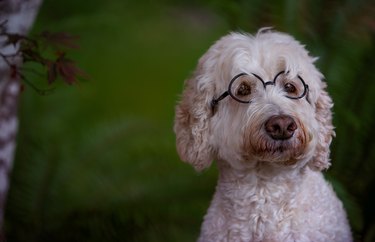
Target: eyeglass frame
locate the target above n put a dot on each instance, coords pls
(215, 101)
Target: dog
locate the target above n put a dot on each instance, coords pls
(258, 106)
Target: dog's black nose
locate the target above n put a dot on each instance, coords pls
(280, 127)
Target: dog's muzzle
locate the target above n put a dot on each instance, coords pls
(280, 138)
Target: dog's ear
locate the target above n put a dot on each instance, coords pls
(192, 121)
(323, 114)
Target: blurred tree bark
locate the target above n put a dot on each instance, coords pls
(16, 17)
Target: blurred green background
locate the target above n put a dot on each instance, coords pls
(97, 161)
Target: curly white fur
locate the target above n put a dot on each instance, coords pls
(264, 193)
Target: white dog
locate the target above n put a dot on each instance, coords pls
(258, 106)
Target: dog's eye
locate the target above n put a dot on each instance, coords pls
(243, 90)
(290, 88)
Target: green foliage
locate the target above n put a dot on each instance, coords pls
(98, 162)
(37, 51)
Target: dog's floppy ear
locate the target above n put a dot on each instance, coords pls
(323, 114)
(192, 122)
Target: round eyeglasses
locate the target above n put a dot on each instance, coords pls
(243, 87)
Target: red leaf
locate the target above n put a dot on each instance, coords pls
(68, 70)
(60, 39)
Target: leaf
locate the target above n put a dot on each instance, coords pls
(30, 51)
(59, 39)
(68, 70)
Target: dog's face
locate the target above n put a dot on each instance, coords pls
(255, 99)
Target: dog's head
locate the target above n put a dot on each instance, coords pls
(255, 99)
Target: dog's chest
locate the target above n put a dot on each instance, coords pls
(259, 210)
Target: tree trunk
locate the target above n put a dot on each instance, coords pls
(16, 17)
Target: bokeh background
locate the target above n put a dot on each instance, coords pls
(97, 161)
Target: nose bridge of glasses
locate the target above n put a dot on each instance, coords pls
(269, 83)
(264, 83)
(274, 89)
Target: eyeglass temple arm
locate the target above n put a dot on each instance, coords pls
(214, 101)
